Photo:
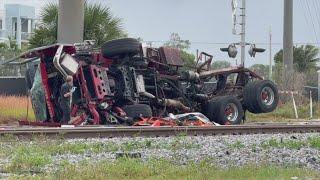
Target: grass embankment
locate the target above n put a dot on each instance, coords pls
(161, 169)
(13, 108)
(285, 113)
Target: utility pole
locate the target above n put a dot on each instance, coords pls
(70, 21)
(318, 85)
(270, 55)
(288, 43)
(243, 32)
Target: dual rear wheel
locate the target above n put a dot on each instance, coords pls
(225, 110)
(258, 97)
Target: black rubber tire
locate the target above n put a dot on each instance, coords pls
(118, 47)
(137, 110)
(252, 96)
(215, 110)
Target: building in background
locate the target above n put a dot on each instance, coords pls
(2, 15)
(17, 22)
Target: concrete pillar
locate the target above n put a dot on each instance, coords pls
(32, 25)
(18, 35)
(288, 43)
(318, 85)
(70, 21)
(29, 25)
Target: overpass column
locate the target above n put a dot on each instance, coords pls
(70, 21)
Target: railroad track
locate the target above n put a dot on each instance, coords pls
(109, 132)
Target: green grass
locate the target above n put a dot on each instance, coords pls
(161, 169)
(291, 144)
(43, 145)
(30, 156)
(13, 108)
(56, 148)
(17, 113)
(237, 145)
(313, 142)
(27, 159)
(12, 116)
(285, 113)
(181, 142)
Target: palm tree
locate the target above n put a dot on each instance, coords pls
(305, 58)
(99, 25)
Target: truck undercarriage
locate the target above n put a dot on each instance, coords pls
(124, 83)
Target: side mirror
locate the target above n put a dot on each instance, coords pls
(253, 50)
(231, 49)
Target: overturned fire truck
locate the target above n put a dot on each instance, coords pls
(125, 83)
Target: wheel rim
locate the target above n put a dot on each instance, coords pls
(231, 111)
(267, 96)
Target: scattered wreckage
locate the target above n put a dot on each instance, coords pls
(123, 83)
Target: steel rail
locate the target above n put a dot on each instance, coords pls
(109, 132)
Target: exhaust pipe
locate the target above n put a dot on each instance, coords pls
(176, 104)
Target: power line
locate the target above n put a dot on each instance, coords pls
(227, 43)
(317, 10)
(305, 16)
(311, 17)
(317, 7)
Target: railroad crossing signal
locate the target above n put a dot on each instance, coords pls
(232, 50)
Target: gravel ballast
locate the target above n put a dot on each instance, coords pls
(222, 151)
